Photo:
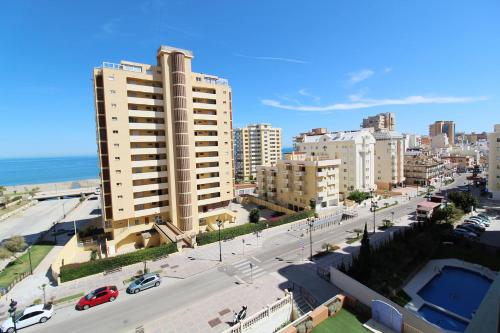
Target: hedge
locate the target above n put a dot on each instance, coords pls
(247, 228)
(76, 271)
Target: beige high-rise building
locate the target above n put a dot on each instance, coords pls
(494, 163)
(380, 121)
(299, 181)
(165, 149)
(389, 159)
(443, 127)
(254, 145)
(356, 151)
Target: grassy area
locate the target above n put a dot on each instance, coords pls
(388, 206)
(13, 207)
(353, 239)
(401, 298)
(22, 264)
(68, 298)
(344, 321)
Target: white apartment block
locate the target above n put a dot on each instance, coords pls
(494, 163)
(254, 145)
(355, 149)
(389, 159)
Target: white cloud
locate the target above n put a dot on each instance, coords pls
(296, 61)
(359, 76)
(304, 92)
(387, 69)
(362, 103)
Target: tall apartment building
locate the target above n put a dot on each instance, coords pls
(494, 163)
(443, 127)
(254, 145)
(300, 181)
(380, 121)
(165, 148)
(356, 151)
(389, 159)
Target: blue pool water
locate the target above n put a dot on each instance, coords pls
(457, 290)
(442, 319)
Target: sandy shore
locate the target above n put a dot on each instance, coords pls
(54, 186)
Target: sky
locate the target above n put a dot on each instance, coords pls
(294, 64)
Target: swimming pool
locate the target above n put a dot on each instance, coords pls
(442, 319)
(457, 290)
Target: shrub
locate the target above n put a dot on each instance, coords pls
(359, 196)
(76, 271)
(309, 325)
(292, 218)
(37, 301)
(227, 233)
(15, 244)
(254, 215)
(93, 255)
(301, 328)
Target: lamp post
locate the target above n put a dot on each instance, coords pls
(251, 273)
(219, 224)
(29, 256)
(310, 223)
(12, 312)
(374, 206)
(392, 213)
(243, 241)
(54, 231)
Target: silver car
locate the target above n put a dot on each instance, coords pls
(144, 282)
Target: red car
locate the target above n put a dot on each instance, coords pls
(98, 296)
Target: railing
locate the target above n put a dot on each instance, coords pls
(130, 68)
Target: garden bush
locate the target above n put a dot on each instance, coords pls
(76, 271)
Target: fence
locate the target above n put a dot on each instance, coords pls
(269, 319)
(19, 278)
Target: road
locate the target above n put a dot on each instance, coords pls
(130, 311)
(31, 222)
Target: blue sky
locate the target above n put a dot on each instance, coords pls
(294, 64)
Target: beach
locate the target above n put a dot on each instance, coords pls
(56, 186)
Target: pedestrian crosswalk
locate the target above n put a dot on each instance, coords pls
(247, 270)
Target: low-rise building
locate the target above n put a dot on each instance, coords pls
(300, 181)
(355, 149)
(494, 163)
(460, 161)
(422, 169)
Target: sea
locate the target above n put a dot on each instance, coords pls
(41, 170)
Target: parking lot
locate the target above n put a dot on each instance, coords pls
(492, 234)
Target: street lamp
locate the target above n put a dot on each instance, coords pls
(219, 224)
(310, 223)
(12, 312)
(29, 256)
(374, 206)
(392, 213)
(243, 241)
(54, 231)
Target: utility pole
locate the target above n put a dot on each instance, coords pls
(29, 256)
(310, 223)
(374, 207)
(243, 241)
(219, 224)
(251, 273)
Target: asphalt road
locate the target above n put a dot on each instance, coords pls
(131, 311)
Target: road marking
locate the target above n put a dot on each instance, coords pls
(256, 259)
(239, 280)
(239, 262)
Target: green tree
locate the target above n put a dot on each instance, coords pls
(358, 196)
(364, 257)
(15, 244)
(254, 215)
(4, 253)
(463, 200)
(443, 214)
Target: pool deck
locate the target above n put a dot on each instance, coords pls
(431, 269)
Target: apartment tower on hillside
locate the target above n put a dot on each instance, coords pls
(443, 127)
(255, 145)
(165, 149)
(380, 121)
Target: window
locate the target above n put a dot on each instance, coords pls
(117, 158)
(118, 184)
(120, 209)
(115, 132)
(113, 105)
(114, 118)
(118, 172)
(112, 91)
(116, 145)
(120, 196)
(111, 77)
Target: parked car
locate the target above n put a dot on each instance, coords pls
(464, 233)
(472, 227)
(475, 222)
(480, 220)
(144, 282)
(31, 315)
(484, 216)
(98, 296)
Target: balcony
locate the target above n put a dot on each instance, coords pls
(147, 163)
(145, 101)
(150, 199)
(147, 138)
(149, 175)
(204, 106)
(203, 138)
(146, 126)
(199, 94)
(149, 187)
(207, 159)
(147, 151)
(208, 201)
(207, 180)
(299, 173)
(321, 174)
(147, 114)
(144, 88)
(208, 190)
(205, 127)
(206, 149)
(203, 116)
(207, 170)
(151, 211)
